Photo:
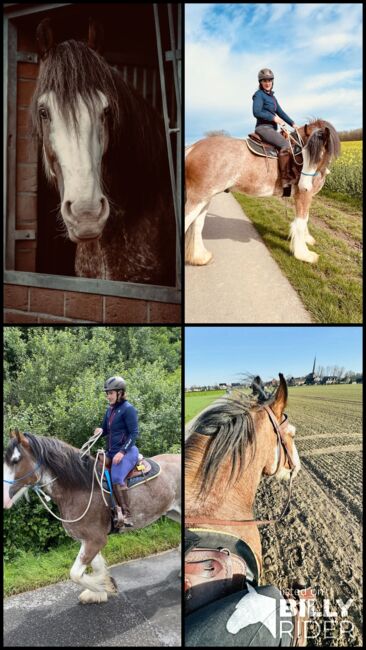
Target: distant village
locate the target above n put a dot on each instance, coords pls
(321, 376)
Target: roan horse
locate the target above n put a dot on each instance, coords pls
(232, 444)
(66, 477)
(219, 163)
(104, 148)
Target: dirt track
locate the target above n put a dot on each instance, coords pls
(320, 539)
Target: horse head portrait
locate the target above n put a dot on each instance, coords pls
(233, 444)
(221, 163)
(104, 148)
(59, 472)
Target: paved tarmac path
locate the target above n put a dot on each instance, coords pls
(243, 283)
(146, 611)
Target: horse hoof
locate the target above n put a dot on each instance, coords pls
(202, 260)
(310, 240)
(88, 597)
(309, 257)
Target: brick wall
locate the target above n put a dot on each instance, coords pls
(35, 305)
(26, 158)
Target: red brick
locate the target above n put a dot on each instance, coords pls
(84, 306)
(27, 150)
(19, 317)
(26, 88)
(28, 70)
(27, 177)
(125, 310)
(24, 125)
(26, 213)
(15, 296)
(161, 312)
(47, 301)
(25, 255)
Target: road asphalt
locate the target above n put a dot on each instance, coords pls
(146, 611)
(243, 283)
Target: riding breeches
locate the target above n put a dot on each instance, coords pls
(272, 136)
(121, 469)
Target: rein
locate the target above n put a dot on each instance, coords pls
(301, 144)
(83, 451)
(278, 428)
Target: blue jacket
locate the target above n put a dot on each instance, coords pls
(265, 107)
(121, 426)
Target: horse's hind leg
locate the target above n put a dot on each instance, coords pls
(99, 583)
(195, 251)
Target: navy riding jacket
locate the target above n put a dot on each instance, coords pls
(121, 427)
(265, 107)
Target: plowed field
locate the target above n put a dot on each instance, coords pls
(320, 539)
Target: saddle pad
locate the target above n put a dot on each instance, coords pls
(137, 480)
(259, 150)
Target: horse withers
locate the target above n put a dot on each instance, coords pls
(104, 149)
(220, 163)
(232, 445)
(68, 479)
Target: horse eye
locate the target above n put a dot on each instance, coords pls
(106, 111)
(43, 113)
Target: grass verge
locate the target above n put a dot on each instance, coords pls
(331, 290)
(31, 571)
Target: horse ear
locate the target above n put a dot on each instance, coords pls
(306, 129)
(95, 36)
(280, 401)
(21, 438)
(45, 37)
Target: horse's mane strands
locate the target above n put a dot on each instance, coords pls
(230, 426)
(72, 68)
(63, 460)
(315, 143)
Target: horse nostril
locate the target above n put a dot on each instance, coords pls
(68, 207)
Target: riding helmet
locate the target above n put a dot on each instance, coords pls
(265, 73)
(115, 383)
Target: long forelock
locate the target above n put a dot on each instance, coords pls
(72, 70)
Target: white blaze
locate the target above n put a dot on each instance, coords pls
(306, 182)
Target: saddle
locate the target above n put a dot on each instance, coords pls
(216, 565)
(260, 147)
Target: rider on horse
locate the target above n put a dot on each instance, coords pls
(269, 113)
(120, 425)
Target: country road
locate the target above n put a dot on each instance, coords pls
(146, 611)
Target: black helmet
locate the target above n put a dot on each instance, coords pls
(265, 73)
(115, 383)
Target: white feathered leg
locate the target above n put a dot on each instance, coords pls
(298, 242)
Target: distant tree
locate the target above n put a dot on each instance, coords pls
(354, 134)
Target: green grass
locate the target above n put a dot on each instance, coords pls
(195, 402)
(30, 571)
(331, 290)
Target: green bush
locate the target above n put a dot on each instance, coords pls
(53, 381)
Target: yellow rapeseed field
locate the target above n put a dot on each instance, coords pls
(346, 171)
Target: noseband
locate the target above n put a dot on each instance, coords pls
(280, 430)
(25, 475)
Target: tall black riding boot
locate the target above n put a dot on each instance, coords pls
(124, 501)
(284, 165)
(118, 518)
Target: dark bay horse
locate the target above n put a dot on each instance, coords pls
(232, 445)
(104, 148)
(61, 472)
(220, 163)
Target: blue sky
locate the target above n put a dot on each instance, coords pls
(219, 354)
(314, 50)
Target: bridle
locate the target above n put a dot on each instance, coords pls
(280, 430)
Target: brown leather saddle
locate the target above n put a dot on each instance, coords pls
(141, 468)
(260, 147)
(216, 565)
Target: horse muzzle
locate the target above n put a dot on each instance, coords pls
(85, 221)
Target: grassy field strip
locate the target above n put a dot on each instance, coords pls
(196, 401)
(331, 290)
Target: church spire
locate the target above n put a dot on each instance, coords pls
(314, 365)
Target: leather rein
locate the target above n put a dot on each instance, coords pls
(280, 430)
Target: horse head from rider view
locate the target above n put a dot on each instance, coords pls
(104, 148)
(232, 445)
